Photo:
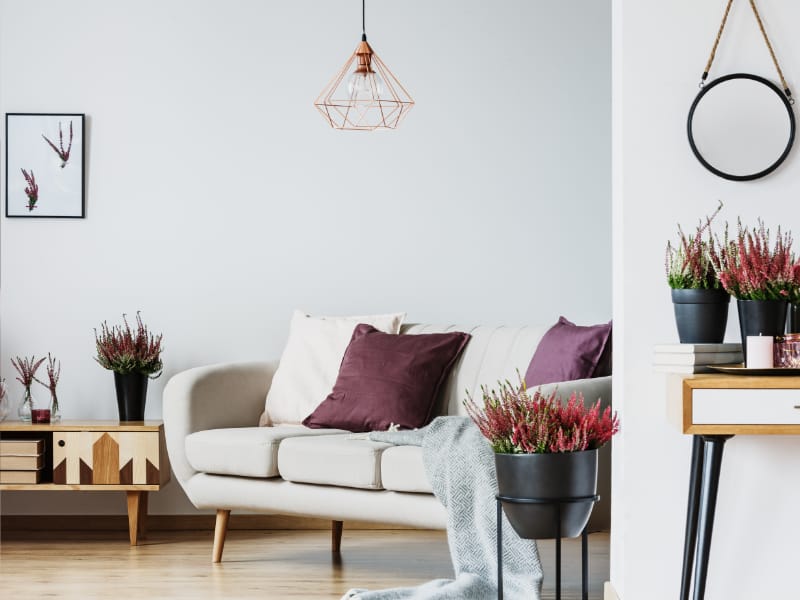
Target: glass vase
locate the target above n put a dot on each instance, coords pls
(24, 410)
(4, 410)
(55, 411)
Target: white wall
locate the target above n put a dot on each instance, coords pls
(660, 51)
(218, 200)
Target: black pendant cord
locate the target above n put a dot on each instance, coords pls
(363, 21)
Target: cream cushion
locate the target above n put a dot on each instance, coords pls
(242, 451)
(310, 363)
(402, 470)
(332, 460)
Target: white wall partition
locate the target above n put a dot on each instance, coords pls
(218, 200)
(661, 49)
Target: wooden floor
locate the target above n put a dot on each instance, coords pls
(256, 564)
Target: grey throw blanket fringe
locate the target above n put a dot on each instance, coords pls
(459, 463)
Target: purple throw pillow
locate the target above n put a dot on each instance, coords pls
(388, 379)
(568, 351)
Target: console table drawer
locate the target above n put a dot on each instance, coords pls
(108, 457)
(750, 406)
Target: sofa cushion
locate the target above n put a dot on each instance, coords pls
(310, 362)
(402, 470)
(568, 352)
(332, 460)
(388, 380)
(243, 451)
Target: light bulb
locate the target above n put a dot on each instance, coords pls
(365, 85)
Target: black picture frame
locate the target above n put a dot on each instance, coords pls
(746, 176)
(45, 165)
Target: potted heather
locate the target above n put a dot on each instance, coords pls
(763, 277)
(699, 300)
(544, 449)
(134, 356)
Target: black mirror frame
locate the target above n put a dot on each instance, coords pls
(771, 86)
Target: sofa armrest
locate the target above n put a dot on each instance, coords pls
(592, 389)
(212, 397)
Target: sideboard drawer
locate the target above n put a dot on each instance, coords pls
(108, 458)
(751, 406)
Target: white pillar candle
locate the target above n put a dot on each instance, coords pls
(759, 352)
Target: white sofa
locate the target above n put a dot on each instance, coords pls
(225, 462)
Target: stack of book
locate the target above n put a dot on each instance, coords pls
(694, 358)
(21, 461)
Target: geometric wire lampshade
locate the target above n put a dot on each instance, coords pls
(364, 95)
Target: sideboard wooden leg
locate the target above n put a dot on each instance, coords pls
(220, 531)
(336, 536)
(137, 511)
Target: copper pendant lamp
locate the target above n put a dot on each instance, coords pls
(364, 95)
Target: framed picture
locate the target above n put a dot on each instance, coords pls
(44, 165)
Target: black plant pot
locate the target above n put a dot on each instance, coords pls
(701, 315)
(761, 317)
(547, 476)
(131, 395)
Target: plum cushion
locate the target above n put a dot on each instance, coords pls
(388, 379)
(568, 351)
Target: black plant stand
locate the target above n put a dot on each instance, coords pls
(584, 540)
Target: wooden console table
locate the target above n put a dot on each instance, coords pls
(714, 408)
(99, 456)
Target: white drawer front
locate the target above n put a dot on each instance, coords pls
(756, 407)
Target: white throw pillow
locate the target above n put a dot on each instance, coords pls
(310, 363)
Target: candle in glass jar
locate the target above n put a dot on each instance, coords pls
(759, 352)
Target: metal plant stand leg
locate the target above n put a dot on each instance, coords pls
(584, 541)
(584, 564)
(690, 539)
(499, 550)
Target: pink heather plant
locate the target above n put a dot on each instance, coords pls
(62, 154)
(123, 350)
(688, 263)
(749, 269)
(32, 189)
(517, 422)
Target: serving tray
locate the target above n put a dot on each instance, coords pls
(740, 369)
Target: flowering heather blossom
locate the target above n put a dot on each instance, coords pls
(688, 263)
(62, 154)
(26, 367)
(749, 268)
(123, 350)
(32, 189)
(518, 422)
(53, 374)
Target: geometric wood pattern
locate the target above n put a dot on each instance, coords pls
(108, 458)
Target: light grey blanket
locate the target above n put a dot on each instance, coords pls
(459, 464)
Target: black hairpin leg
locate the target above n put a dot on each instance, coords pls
(690, 538)
(712, 465)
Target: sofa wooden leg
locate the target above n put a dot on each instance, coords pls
(336, 536)
(220, 530)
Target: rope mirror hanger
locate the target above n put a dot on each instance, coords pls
(741, 126)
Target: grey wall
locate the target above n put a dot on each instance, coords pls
(218, 200)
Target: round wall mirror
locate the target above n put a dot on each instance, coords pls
(741, 127)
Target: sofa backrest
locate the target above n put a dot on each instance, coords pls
(493, 354)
